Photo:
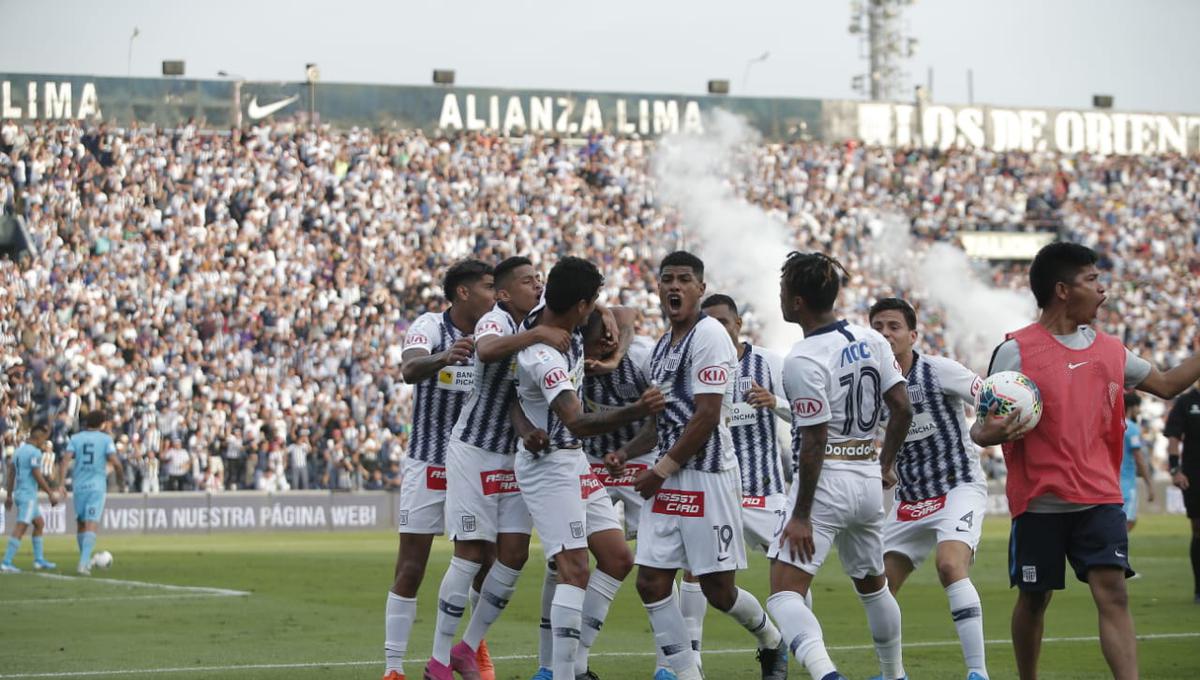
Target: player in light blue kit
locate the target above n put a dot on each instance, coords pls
(1135, 462)
(24, 479)
(91, 450)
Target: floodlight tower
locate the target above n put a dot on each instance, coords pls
(884, 44)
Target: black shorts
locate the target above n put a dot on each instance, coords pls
(1040, 541)
(1191, 497)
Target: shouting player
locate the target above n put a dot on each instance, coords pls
(484, 507)
(24, 479)
(91, 450)
(941, 495)
(438, 359)
(837, 380)
(1063, 482)
(757, 401)
(693, 518)
(569, 506)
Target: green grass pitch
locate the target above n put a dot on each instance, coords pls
(315, 610)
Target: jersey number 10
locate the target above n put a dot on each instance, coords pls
(857, 398)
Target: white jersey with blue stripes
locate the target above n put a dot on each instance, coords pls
(938, 453)
(620, 388)
(437, 400)
(755, 439)
(703, 361)
(484, 421)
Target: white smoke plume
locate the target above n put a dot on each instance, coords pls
(742, 245)
(975, 315)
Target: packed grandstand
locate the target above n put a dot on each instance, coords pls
(238, 301)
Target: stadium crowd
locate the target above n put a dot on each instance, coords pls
(238, 302)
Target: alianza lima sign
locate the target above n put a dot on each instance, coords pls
(171, 102)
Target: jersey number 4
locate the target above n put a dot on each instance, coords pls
(967, 519)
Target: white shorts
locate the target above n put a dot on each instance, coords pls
(482, 496)
(566, 501)
(914, 528)
(848, 513)
(620, 489)
(422, 498)
(763, 518)
(694, 523)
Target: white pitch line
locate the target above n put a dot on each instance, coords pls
(113, 598)
(216, 592)
(519, 657)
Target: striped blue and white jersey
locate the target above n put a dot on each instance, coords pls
(938, 453)
(544, 373)
(615, 390)
(755, 439)
(484, 421)
(437, 400)
(838, 375)
(701, 362)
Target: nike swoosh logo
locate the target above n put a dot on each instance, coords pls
(1121, 555)
(255, 111)
(1075, 366)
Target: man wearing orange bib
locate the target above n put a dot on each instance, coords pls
(1063, 485)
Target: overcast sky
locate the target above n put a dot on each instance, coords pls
(1023, 52)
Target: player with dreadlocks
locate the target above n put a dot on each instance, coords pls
(837, 380)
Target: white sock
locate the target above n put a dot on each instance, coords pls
(660, 659)
(883, 616)
(601, 590)
(473, 598)
(397, 626)
(452, 603)
(545, 636)
(672, 637)
(967, 612)
(802, 632)
(693, 606)
(747, 611)
(566, 617)
(808, 598)
(497, 589)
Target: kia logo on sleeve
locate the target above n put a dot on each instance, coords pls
(554, 377)
(713, 375)
(806, 407)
